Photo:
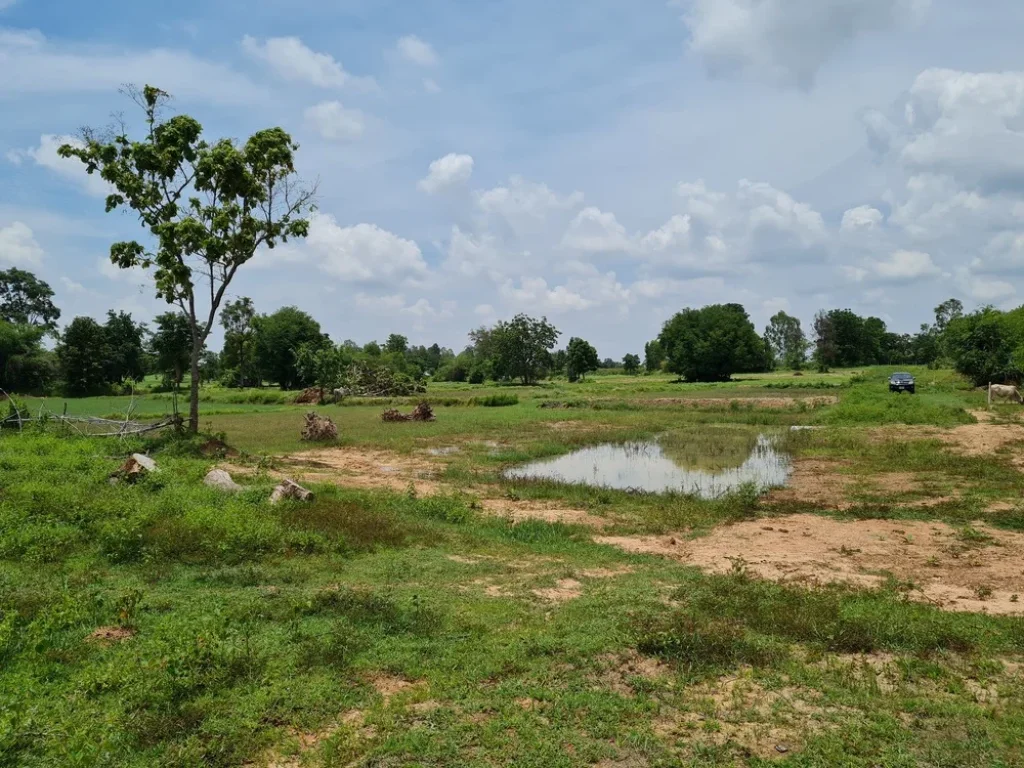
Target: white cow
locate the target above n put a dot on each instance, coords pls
(1005, 391)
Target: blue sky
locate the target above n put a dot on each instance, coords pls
(603, 163)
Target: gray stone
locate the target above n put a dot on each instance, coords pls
(221, 480)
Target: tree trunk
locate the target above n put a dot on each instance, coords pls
(193, 399)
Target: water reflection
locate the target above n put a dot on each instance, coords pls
(645, 466)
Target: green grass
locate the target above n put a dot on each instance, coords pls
(251, 624)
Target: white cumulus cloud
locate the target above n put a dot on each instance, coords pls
(18, 246)
(32, 64)
(785, 41)
(363, 253)
(334, 122)
(45, 156)
(446, 172)
(596, 231)
(418, 51)
(861, 219)
(291, 60)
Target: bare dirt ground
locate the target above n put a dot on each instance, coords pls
(979, 439)
(368, 468)
(982, 571)
(824, 484)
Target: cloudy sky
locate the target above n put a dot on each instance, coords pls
(603, 163)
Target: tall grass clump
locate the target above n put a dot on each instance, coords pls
(495, 401)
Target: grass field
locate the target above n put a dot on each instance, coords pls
(425, 610)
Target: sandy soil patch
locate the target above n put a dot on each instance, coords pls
(110, 635)
(983, 439)
(365, 468)
(740, 713)
(374, 469)
(980, 439)
(948, 571)
(564, 591)
(620, 672)
(389, 686)
(825, 485)
(547, 512)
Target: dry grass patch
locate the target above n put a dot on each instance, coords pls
(738, 713)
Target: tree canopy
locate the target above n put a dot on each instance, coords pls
(238, 357)
(207, 207)
(631, 364)
(987, 346)
(520, 348)
(83, 352)
(25, 299)
(171, 345)
(787, 340)
(712, 343)
(278, 338)
(580, 357)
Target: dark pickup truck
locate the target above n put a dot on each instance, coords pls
(901, 382)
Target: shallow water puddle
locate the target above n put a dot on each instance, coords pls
(656, 468)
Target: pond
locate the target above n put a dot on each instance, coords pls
(706, 468)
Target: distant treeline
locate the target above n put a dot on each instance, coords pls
(288, 348)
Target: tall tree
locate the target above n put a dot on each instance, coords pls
(825, 354)
(521, 347)
(712, 343)
(239, 355)
(83, 353)
(654, 356)
(396, 344)
(787, 340)
(631, 364)
(171, 345)
(278, 338)
(947, 312)
(24, 365)
(208, 207)
(27, 300)
(126, 349)
(580, 357)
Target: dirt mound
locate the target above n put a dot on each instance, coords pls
(977, 569)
